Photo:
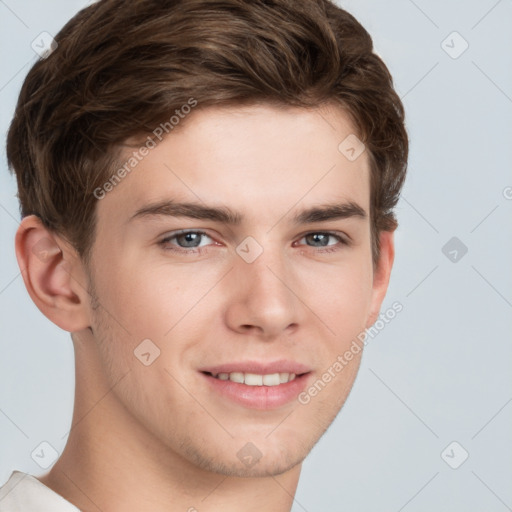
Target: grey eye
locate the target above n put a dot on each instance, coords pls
(320, 239)
(191, 239)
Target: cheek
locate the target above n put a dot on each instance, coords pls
(344, 298)
(154, 301)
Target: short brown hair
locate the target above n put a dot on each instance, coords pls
(123, 67)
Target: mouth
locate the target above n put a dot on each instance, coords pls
(258, 386)
(255, 379)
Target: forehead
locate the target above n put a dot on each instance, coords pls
(258, 160)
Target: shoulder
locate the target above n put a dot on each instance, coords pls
(25, 492)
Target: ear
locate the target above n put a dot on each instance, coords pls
(53, 274)
(381, 274)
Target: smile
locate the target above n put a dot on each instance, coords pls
(254, 379)
(257, 385)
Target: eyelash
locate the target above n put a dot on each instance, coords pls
(199, 250)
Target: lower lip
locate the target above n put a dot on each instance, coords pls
(259, 397)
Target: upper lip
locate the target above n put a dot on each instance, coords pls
(259, 368)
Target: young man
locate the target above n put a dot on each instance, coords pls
(207, 191)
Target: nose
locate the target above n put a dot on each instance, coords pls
(261, 297)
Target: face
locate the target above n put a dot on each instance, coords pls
(235, 262)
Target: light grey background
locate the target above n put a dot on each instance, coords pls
(441, 370)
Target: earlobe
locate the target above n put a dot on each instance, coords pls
(53, 275)
(382, 274)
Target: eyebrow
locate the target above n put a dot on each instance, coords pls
(224, 215)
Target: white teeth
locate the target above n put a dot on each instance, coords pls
(236, 377)
(254, 379)
(283, 377)
(271, 380)
(251, 379)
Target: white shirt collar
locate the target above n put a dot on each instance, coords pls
(25, 492)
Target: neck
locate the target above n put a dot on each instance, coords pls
(113, 462)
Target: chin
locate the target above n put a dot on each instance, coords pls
(246, 460)
(260, 469)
